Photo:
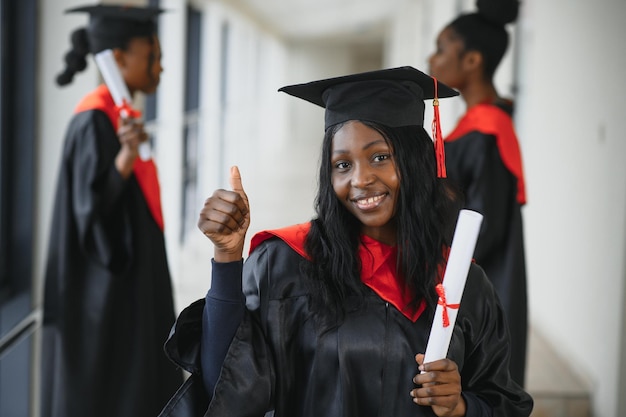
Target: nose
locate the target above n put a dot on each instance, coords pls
(362, 176)
(430, 62)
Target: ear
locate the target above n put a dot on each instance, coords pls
(120, 57)
(473, 61)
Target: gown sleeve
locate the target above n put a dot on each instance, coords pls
(245, 369)
(183, 348)
(483, 350)
(97, 189)
(476, 406)
(475, 164)
(223, 312)
(248, 370)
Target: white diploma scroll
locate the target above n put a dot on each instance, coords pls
(459, 260)
(117, 87)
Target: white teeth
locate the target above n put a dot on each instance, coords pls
(369, 200)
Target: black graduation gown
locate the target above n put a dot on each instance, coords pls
(281, 359)
(474, 162)
(108, 304)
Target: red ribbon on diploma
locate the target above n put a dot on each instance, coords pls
(126, 108)
(441, 292)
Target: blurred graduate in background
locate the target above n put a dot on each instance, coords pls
(483, 156)
(108, 304)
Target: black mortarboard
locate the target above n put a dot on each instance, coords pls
(392, 97)
(111, 26)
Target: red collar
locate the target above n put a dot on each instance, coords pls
(492, 120)
(378, 266)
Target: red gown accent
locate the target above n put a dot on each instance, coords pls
(492, 120)
(378, 263)
(145, 171)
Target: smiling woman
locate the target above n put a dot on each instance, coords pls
(331, 317)
(365, 179)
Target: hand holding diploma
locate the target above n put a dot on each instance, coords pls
(439, 381)
(121, 96)
(439, 386)
(131, 136)
(451, 289)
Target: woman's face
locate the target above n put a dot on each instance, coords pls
(141, 65)
(446, 63)
(365, 180)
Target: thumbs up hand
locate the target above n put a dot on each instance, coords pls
(225, 219)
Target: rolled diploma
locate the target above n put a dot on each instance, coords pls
(459, 260)
(117, 87)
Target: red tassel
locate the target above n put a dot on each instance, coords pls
(436, 127)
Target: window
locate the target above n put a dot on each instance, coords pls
(191, 140)
(151, 100)
(223, 97)
(17, 158)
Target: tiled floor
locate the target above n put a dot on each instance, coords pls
(557, 391)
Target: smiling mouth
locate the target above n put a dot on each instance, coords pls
(369, 202)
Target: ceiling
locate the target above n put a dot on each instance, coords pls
(316, 20)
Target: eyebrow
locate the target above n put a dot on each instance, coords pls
(367, 146)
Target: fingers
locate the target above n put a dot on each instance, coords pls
(439, 365)
(419, 358)
(131, 133)
(131, 124)
(439, 385)
(235, 179)
(225, 219)
(441, 371)
(223, 213)
(237, 186)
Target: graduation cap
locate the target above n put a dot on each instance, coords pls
(111, 26)
(392, 97)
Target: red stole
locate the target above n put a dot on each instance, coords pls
(492, 120)
(145, 171)
(378, 266)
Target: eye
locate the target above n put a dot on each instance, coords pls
(341, 165)
(381, 157)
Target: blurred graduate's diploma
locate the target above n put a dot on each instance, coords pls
(117, 87)
(451, 289)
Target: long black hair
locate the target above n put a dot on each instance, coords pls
(423, 219)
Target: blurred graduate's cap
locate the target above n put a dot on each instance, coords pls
(111, 24)
(392, 97)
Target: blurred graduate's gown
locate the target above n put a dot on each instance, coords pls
(483, 157)
(108, 304)
(282, 358)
